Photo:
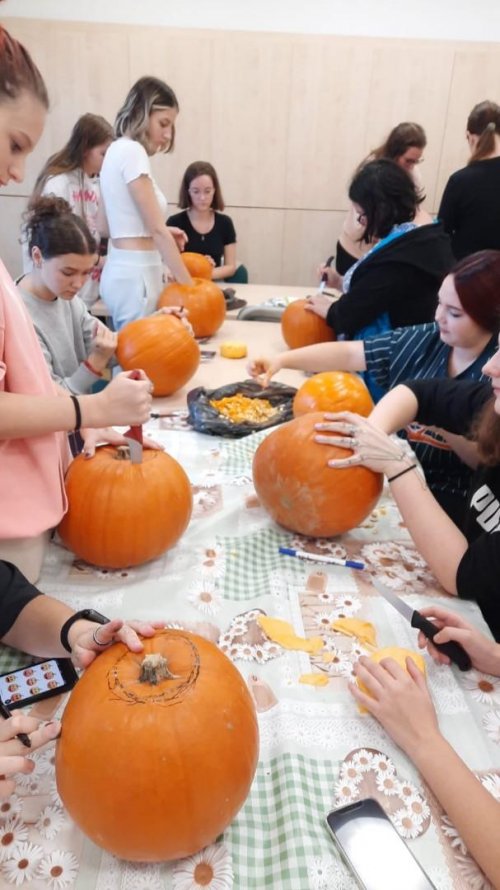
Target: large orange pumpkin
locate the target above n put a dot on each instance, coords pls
(163, 348)
(203, 300)
(197, 265)
(333, 391)
(301, 492)
(300, 327)
(123, 514)
(154, 771)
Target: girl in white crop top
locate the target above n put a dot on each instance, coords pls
(135, 207)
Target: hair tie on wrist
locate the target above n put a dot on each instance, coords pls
(406, 470)
(91, 368)
(78, 413)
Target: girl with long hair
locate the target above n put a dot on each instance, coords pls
(73, 174)
(135, 208)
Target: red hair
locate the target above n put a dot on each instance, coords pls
(477, 283)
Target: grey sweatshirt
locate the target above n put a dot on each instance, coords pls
(65, 331)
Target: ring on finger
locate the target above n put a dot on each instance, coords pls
(98, 642)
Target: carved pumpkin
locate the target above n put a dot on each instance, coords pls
(302, 328)
(301, 492)
(123, 514)
(333, 391)
(204, 302)
(163, 348)
(157, 754)
(197, 265)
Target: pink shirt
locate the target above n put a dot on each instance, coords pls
(32, 494)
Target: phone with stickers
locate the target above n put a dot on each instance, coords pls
(37, 681)
(373, 850)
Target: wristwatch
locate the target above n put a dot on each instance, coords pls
(88, 615)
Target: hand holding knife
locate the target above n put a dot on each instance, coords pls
(455, 652)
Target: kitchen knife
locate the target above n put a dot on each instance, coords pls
(134, 434)
(453, 650)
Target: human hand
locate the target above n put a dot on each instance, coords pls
(179, 312)
(319, 304)
(333, 279)
(93, 639)
(210, 259)
(264, 368)
(109, 436)
(13, 753)
(104, 343)
(370, 446)
(484, 653)
(399, 700)
(126, 401)
(179, 236)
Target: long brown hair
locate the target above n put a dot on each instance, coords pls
(484, 121)
(89, 131)
(486, 432)
(200, 168)
(18, 71)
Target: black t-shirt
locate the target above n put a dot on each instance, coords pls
(453, 405)
(402, 279)
(213, 242)
(470, 208)
(15, 593)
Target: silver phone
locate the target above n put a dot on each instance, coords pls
(373, 850)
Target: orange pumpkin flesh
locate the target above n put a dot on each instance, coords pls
(301, 492)
(156, 772)
(300, 327)
(122, 514)
(203, 301)
(333, 391)
(197, 265)
(163, 348)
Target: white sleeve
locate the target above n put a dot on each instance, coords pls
(134, 161)
(59, 186)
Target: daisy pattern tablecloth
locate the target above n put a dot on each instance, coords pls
(316, 750)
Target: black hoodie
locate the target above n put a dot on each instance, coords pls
(402, 278)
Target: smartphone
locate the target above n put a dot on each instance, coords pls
(36, 681)
(373, 850)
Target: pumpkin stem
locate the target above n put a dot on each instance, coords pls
(155, 668)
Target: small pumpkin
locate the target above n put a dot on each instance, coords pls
(333, 391)
(122, 514)
(158, 750)
(203, 301)
(301, 492)
(163, 348)
(301, 327)
(197, 265)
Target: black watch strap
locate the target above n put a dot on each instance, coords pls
(87, 615)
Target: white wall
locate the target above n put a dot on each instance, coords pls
(434, 19)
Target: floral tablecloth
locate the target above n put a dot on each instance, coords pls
(316, 749)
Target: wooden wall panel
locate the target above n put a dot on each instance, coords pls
(285, 119)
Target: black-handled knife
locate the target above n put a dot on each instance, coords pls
(453, 650)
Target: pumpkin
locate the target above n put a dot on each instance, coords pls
(163, 348)
(197, 265)
(123, 514)
(333, 391)
(299, 490)
(301, 327)
(203, 300)
(158, 750)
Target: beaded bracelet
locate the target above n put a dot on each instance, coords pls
(406, 470)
